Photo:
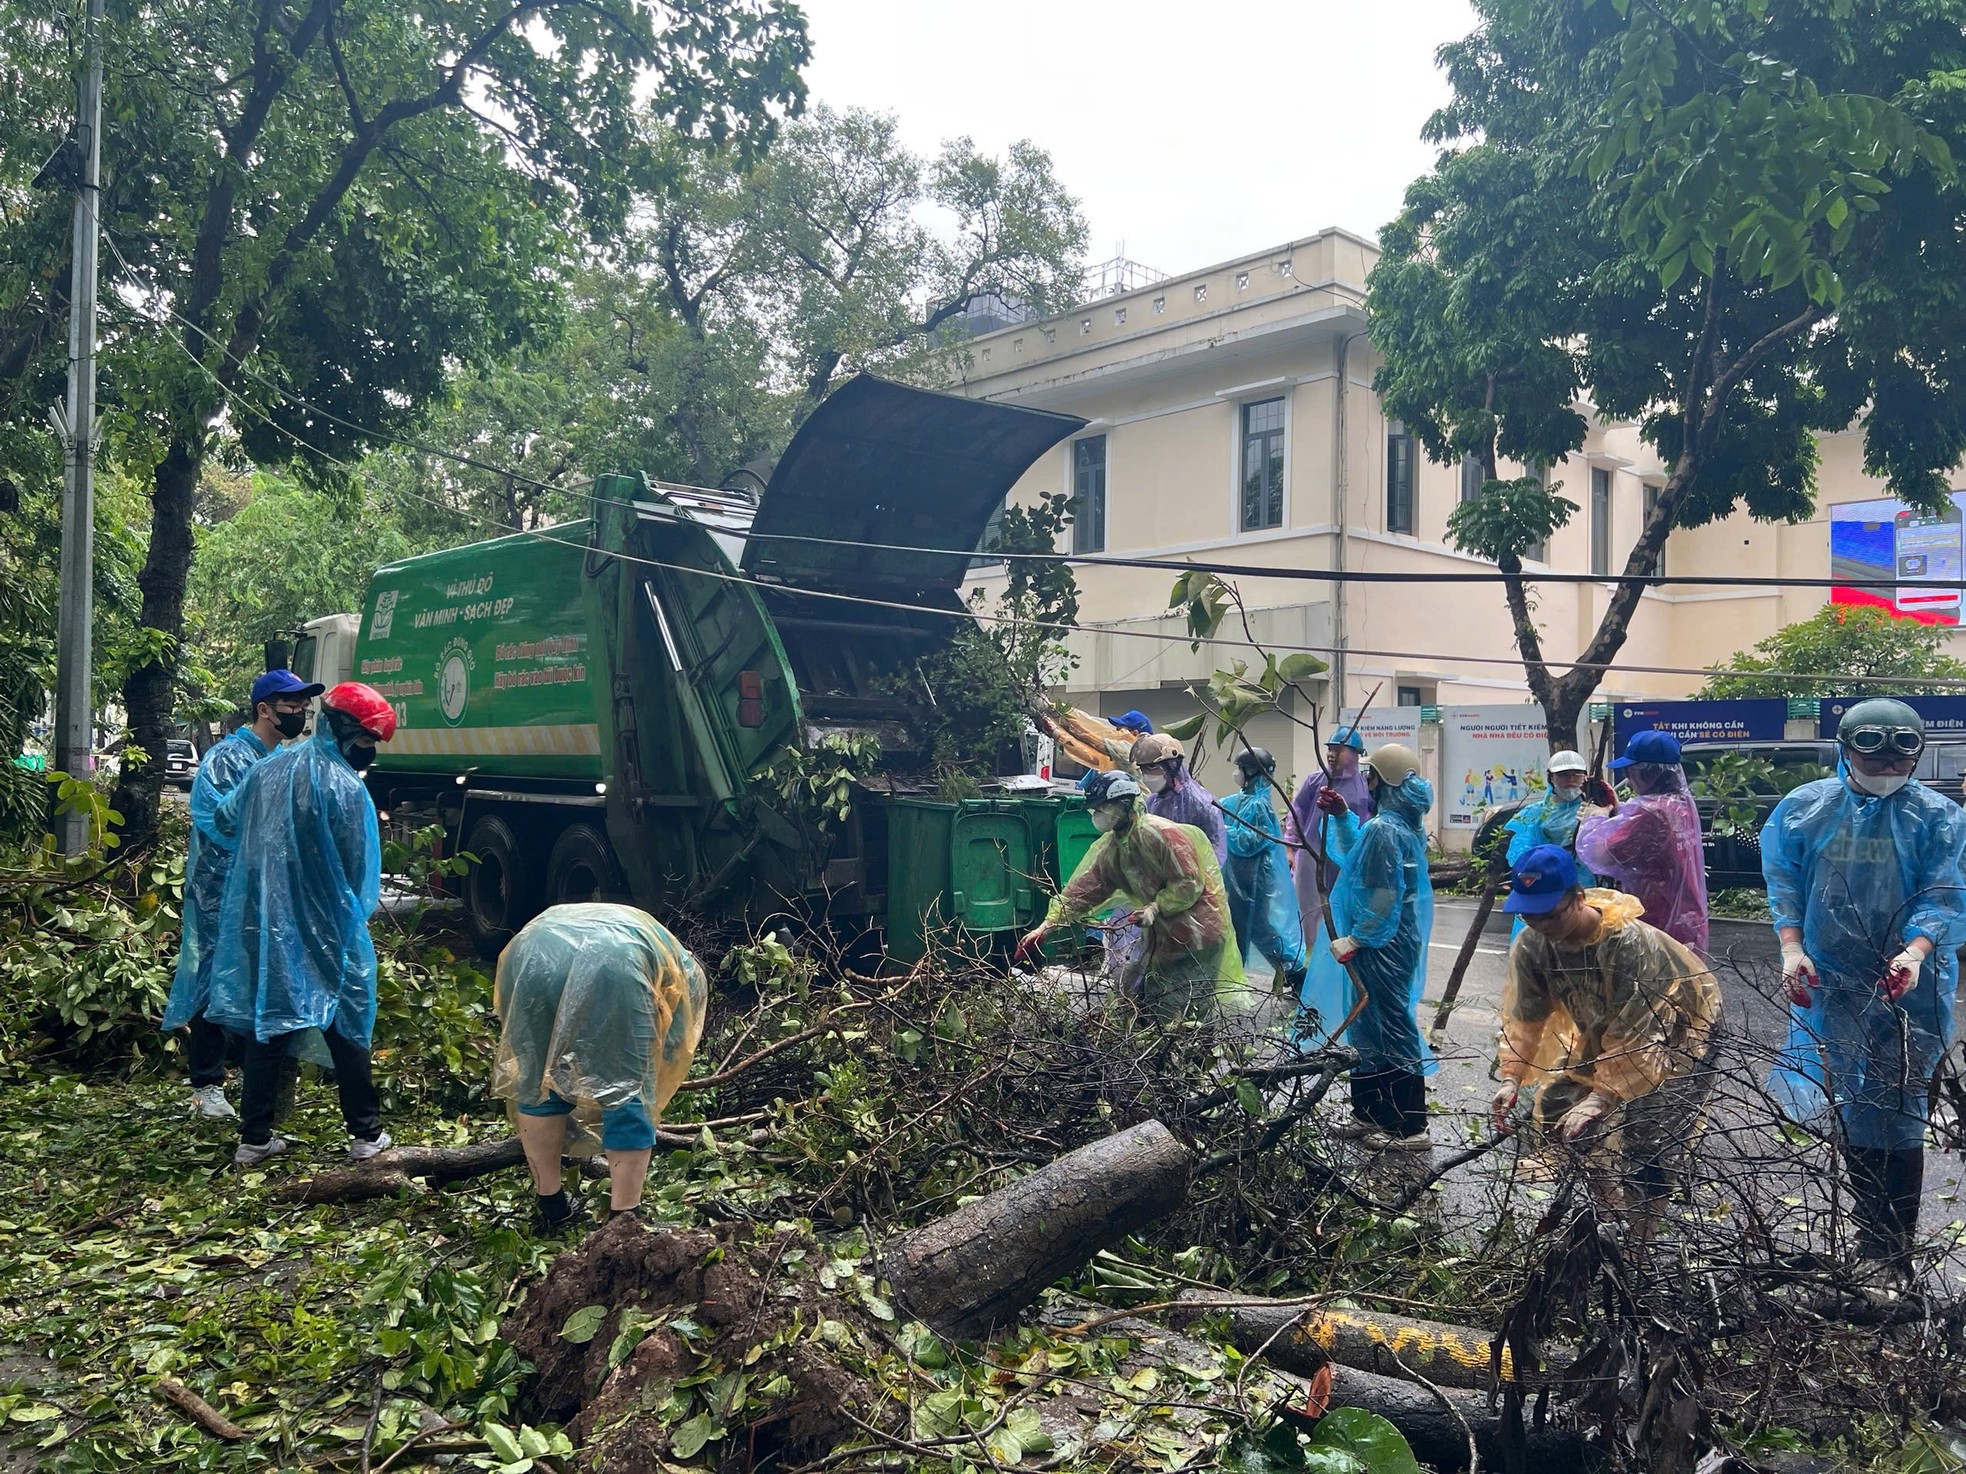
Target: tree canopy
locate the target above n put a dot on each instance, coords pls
(1822, 655)
(1734, 223)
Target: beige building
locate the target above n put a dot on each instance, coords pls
(1231, 419)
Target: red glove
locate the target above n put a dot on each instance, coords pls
(1331, 801)
(1597, 791)
(1027, 945)
(1902, 975)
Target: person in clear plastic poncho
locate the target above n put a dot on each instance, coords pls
(1175, 794)
(1191, 965)
(601, 1010)
(1343, 755)
(1649, 844)
(294, 951)
(1865, 891)
(1553, 818)
(1383, 904)
(279, 707)
(1262, 902)
(1610, 1021)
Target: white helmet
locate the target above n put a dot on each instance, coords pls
(1567, 762)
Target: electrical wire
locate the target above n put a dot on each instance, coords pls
(1082, 560)
(978, 616)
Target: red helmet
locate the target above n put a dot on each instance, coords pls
(366, 705)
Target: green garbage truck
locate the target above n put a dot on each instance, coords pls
(610, 707)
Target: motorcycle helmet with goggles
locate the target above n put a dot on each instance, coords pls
(1882, 728)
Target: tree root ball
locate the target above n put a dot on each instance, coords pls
(703, 1304)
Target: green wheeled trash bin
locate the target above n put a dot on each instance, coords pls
(955, 869)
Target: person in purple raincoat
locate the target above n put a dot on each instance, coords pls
(1300, 824)
(1173, 792)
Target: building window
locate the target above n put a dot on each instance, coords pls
(1085, 326)
(1160, 304)
(985, 557)
(1399, 479)
(1600, 521)
(1410, 696)
(1471, 479)
(1262, 465)
(1242, 281)
(1201, 292)
(1651, 502)
(1119, 316)
(1089, 494)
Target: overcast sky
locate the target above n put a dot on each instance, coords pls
(1192, 132)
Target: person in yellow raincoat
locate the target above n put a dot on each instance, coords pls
(1191, 965)
(1612, 1020)
(601, 1010)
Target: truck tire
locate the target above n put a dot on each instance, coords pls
(499, 890)
(581, 868)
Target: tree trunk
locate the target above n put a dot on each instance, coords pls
(1440, 1425)
(149, 694)
(389, 1173)
(971, 1272)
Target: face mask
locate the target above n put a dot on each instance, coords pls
(359, 755)
(1106, 820)
(1566, 794)
(1156, 783)
(1882, 785)
(290, 723)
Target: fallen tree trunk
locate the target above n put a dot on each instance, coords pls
(1302, 1338)
(1441, 1425)
(971, 1272)
(391, 1172)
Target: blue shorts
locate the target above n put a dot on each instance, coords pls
(624, 1128)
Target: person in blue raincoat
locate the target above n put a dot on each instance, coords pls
(279, 706)
(1262, 902)
(1384, 904)
(1552, 819)
(1868, 899)
(294, 951)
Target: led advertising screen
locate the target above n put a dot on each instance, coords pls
(1876, 548)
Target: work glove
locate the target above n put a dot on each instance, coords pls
(1344, 948)
(1598, 792)
(1146, 916)
(1902, 975)
(1027, 945)
(1501, 1104)
(1581, 1117)
(1331, 801)
(1798, 974)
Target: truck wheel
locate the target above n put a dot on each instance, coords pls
(581, 868)
(499, 889)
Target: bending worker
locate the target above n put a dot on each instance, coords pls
(1865, 890)
(1649, 845)
(1191, 963)
(1175, 794)
(1551, 819)
(294, 950)
(1312, 878)
(1387, 901)
(1262, 902)
(602, 1010)
(279, 704)
(1610, 1020)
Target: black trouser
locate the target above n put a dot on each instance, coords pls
(1886, 1188)
(205, 1052)
(265, 1062)
(1393, 1100)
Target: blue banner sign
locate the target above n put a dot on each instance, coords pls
(1945, 716)
(1754, 719)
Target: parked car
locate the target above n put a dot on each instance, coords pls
(180, 763)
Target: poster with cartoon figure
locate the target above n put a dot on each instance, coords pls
(1492, 757)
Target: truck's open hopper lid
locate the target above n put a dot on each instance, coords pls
(879, 462)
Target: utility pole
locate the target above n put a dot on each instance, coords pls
(74, 708)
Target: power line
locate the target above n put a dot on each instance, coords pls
(866, 601)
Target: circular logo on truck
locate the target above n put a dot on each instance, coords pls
(454, 681)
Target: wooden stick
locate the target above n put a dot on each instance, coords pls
(201, 1412)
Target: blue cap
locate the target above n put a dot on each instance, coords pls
(1347, 737)
(283, 683)
(1133, 721)
(1649, 747)
(1542, 878)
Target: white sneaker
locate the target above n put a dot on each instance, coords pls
(361, 1151)
(1352, 1128)
(1383, 1141)
(249, 1155)
(209, 1101)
